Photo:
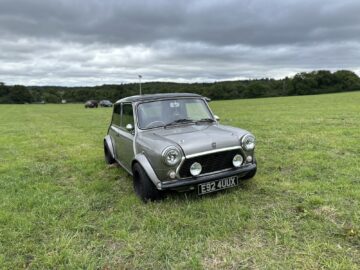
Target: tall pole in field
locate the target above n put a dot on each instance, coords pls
(140, 83)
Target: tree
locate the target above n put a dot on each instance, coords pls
(19, 94)
(305, 83)
(4, 93)
(51, 98)
(257, 89)
(346, 80)
(324, 78)
(4, 90)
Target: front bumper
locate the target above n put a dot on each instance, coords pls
(191, 182)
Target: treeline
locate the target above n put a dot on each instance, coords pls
(305, 83)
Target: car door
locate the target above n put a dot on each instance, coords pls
(124, 138)
(115, 126)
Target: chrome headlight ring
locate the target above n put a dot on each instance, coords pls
(248, 142)
(171, 155)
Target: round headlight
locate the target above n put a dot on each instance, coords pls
(248, 142)
(171, 156)
(195, 169)
(237, 160)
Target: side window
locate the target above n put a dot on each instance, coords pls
(127, 115)
(116, 115)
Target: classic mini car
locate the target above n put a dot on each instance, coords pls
(105, 103)
(174, 142)
(91, 104)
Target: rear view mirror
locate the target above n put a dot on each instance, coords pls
(129, 127)
(217, 118)
(174, 104)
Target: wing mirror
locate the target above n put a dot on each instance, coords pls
(217, 118)
(129, 127)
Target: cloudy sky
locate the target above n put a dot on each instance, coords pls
(91, 42)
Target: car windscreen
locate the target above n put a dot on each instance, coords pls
(164, 112)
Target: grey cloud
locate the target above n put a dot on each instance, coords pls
(171, 60)
(94, 41)
(215, 22)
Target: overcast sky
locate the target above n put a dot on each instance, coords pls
(91, 42)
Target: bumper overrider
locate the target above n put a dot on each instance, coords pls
(191, 182)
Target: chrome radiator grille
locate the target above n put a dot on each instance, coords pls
(210, 163)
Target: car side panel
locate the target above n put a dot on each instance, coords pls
(124, 150)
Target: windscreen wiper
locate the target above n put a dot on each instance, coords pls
(178, 121)
(210, 120)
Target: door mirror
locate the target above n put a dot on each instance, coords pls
(129, 127)
(217, 118)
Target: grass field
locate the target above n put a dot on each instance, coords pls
(62, 207)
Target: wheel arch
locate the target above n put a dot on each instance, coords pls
(145, 164)
(108, 143)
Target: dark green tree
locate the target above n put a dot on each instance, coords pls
(305, 83)
(346, 80)
(4, 90)
(19, 94)
(257, 89)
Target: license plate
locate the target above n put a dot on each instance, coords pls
(216, 185)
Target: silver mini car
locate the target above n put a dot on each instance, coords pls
(174, 142)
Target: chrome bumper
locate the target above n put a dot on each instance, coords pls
(192, 181)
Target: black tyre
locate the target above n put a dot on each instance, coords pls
(143, 186)
(108, 157)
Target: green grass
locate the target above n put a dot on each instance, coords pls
(62, 207)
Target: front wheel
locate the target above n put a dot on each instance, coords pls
(143, 186)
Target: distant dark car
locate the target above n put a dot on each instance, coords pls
(91, 104)
(105, 103)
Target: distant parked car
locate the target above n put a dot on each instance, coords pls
(175, 142)
(91, 104)
(105, 103)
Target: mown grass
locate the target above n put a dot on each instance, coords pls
(62, 207)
